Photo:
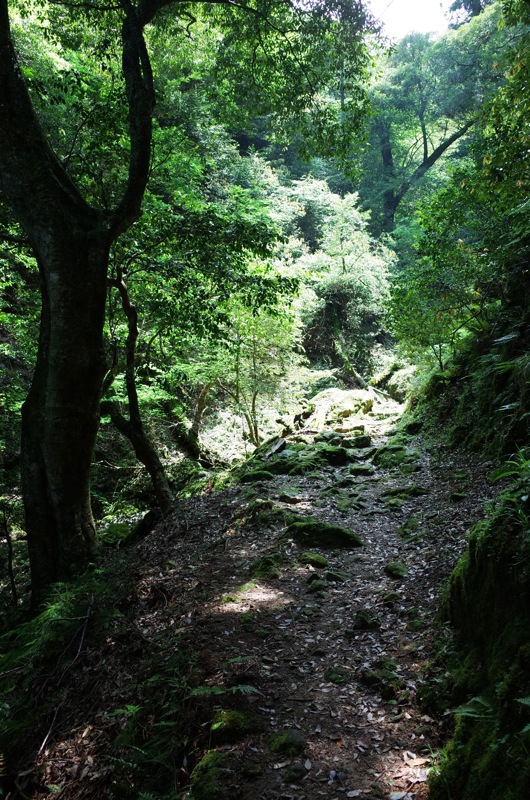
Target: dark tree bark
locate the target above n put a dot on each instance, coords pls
(389, 177)
(61, 413)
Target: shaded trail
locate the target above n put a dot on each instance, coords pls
(335, 653)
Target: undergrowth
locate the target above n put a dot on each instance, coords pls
(481, 398)
(82, 661)
(484, 674)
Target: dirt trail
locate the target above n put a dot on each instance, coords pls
(332, 655)
(345, 681)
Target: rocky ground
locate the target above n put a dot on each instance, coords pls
(308, 657)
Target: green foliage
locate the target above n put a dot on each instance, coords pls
(18, 333)
(426, 96)
(446, 294)
(474, 231)
(205, 778)
(343, 271)
(207, 691)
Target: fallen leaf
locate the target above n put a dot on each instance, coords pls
(417, 762)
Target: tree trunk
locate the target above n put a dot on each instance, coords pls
(61, 413)
(145, 452)
(133, 428)
(71, 242)
(390, 203)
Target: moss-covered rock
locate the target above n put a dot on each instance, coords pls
(390, 598)
(364, 621)
(394, 455)
(360, 442)
(267, 567)
(257, 475)
(313, 533)
(395, 569)
(488, 602)
(231, 726)
(295, 774)
(333, 455)
(317, 585)
(361, 470)
(335, 576)
(329, 437)
(384, 679)
(410, 529)
(276, 515)
(336, 676)
(206, 778)
(330, 407)
(314, 560)
(287, 743)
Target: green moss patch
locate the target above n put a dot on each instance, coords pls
(206, 778)
(115, 533)
(334, 576)
(295, 774)
(395, 569)
(410, 530)
(288, 743)
(314, 560)
(256, 476)
(351, 502)
(361, 470)
(231, 726)
(404, 492)
(384, 679)
(394, 455)
(335, 456)
(313, 533)
(360, 442)
(267, 567)
(317, 585)
(488, 602)
(336, 676)
(364, 621)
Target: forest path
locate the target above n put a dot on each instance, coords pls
(336, 653)
(331, 656)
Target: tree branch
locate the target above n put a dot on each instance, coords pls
(428, 162)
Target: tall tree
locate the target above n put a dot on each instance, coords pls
(71, 236)
(426, 101)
